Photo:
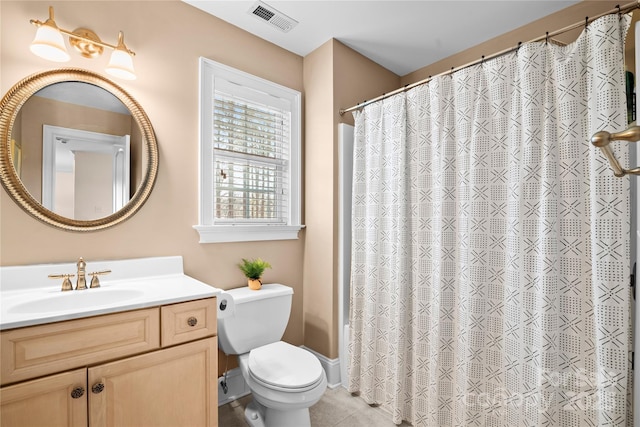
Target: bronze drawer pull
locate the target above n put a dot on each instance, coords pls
(192, 321)
(97, 388)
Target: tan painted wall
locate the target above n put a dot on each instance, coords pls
(168, 37)
(319, 327)
(352, 77)
(551, 23)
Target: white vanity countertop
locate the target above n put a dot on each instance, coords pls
(28, 297)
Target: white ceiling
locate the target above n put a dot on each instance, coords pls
(85, 94)
(402, 36)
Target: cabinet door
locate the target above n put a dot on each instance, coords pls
(57, 400)
(172, 387)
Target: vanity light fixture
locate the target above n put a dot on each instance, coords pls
(49, 44)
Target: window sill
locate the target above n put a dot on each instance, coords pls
(246, 233)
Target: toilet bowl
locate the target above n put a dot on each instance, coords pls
(284, 380)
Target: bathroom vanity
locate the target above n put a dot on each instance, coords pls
(139, 350)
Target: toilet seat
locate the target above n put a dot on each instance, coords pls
(282, 366)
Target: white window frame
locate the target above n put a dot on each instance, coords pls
(212, 74)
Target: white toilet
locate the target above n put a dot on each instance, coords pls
(285, 380)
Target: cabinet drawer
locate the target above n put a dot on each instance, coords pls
(188, 321)
(40, 350)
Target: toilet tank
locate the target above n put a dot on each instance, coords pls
(256, 318)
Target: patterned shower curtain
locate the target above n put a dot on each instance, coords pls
(490, 261)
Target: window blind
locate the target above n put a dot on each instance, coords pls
(251, 161)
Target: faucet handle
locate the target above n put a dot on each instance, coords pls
(66, 283)
(95, 283)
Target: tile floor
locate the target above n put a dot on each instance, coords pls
(337, 408)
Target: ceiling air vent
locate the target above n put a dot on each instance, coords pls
(272, 16)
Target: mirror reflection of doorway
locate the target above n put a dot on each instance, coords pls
(85, 174)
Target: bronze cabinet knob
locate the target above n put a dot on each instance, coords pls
(77, 392)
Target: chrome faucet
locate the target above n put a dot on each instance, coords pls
(82, 278)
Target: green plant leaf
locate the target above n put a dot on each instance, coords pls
(253, 268)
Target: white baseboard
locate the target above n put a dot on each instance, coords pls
(331, 368)
(237, 387)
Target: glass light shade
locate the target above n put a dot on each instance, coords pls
(49, 44)
(121, 65)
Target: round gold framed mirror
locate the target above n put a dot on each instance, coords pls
(76, 150)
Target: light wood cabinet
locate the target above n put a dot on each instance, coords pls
(188, 321)
(46, 402)
(139, 392)
(46, 349)
(151, 367)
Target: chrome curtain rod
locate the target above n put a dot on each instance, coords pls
(618, 9)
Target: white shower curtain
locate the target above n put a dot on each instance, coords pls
(490, 260)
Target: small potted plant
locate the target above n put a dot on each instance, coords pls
(253, 269)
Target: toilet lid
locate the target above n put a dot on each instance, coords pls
(283, 365)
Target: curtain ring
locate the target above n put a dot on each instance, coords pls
(619, 12)
(482, 61)
(586, 22)
(546, 39)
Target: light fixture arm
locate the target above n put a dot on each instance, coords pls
(99, 42)
(76, 35)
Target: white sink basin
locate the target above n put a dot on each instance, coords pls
(28, 297)
(70, 300)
